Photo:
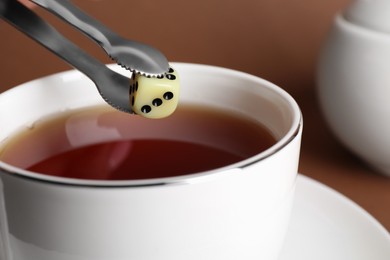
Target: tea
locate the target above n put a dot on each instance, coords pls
(101, 143)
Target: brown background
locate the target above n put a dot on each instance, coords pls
(278, 40)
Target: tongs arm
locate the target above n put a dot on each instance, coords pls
(113, 87)
(132, 55)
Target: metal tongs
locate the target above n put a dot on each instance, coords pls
(134, 56)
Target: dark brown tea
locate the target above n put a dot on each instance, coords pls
(103, 144)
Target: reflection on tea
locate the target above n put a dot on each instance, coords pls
(104, 144)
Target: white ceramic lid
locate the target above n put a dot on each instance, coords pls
(371, 14)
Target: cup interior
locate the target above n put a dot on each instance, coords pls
(241, 93)
(230, 90)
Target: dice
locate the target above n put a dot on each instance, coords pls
(154, 97)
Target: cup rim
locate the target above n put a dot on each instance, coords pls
(294, 131)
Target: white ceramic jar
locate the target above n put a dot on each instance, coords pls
(354, 81)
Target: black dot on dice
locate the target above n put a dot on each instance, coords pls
(160, 76)
(132, 100)
(136, 86)
(170, 76)
(168, 95)
(170, 70)
(146, 109)
(157, 102)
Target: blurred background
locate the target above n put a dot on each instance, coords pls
(278, 40)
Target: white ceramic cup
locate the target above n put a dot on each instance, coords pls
(240, 211)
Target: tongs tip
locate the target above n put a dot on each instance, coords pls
(141, 59)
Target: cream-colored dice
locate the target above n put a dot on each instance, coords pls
(155, 97)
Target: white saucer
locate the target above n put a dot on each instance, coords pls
(326, 225)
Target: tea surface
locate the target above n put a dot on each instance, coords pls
(104, 144)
